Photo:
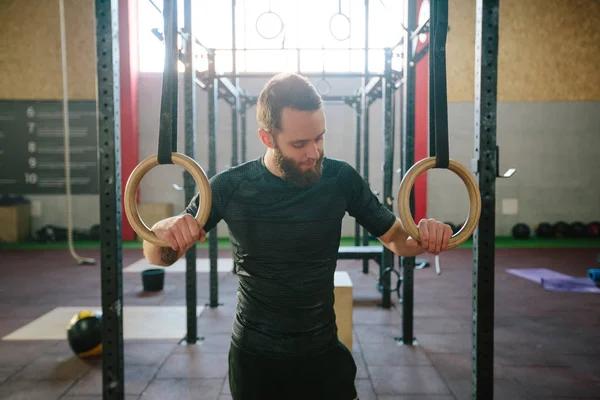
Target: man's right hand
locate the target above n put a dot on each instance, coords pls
(180, 232)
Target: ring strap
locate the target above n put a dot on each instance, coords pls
(167, 136)
(438, 97)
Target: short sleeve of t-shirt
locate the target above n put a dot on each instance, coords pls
(362, 204)
(217, 203)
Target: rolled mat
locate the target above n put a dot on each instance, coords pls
(537, 274)
(581, 285)
(594, 274)
(556, 282)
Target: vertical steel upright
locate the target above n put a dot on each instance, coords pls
(486, 77)
(109, 154)
(357, 108)
(364, 101)
(387, 92)
(408, 159)
(236, 106)
(393, 114)
(234, 131)
(189, 101)
(212, 88)
(243, 129)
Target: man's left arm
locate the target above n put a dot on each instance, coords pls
(381, 222)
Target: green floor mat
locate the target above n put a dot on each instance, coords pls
(501, 242)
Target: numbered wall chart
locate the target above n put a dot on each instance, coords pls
(32, 153)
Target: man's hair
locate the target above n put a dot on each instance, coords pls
(285, 90)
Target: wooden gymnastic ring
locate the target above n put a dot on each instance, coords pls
(133, 183)
(474, 200)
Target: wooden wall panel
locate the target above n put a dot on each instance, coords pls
(30, 56)
(548, 50)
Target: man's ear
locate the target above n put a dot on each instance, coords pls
(266, 137)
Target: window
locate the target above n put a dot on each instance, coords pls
(264, 45)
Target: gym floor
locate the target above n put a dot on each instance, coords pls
(545, 341)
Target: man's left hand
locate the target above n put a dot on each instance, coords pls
(434, 236)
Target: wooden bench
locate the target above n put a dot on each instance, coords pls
(343, 306)
(370, 253)
(374, 253)
(361, 253)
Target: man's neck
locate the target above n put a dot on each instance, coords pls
(270, 163)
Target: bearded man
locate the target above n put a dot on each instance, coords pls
(284, 214)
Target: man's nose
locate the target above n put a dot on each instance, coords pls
(313, 151)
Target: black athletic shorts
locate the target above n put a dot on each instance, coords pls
(327, 376)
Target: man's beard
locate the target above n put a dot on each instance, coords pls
(293, 173)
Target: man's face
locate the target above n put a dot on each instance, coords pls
(299, 146)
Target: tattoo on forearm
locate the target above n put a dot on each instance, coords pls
(168, 255)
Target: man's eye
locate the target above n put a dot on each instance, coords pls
(298, 145)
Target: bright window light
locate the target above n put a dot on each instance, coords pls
(270, 43)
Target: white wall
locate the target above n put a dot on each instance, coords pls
(554, 147)
(340, 141)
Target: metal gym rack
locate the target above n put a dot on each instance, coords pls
(485, 165)
(375, 86)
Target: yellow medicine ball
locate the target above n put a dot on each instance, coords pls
(84, 333)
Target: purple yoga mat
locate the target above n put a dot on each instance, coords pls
(537, 274)
(555, 281)
(580, 285)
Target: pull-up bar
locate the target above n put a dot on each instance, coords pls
(267, 75)
(304, 49)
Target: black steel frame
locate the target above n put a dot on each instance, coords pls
(485, 168)
(109, 153)
(407, 161)
(365, 96)
(218, 86)
(189, 101)
(486, 172)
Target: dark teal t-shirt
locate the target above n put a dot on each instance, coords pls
(285, 243)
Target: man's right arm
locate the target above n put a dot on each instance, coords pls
(182, 231)
(161, 256)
